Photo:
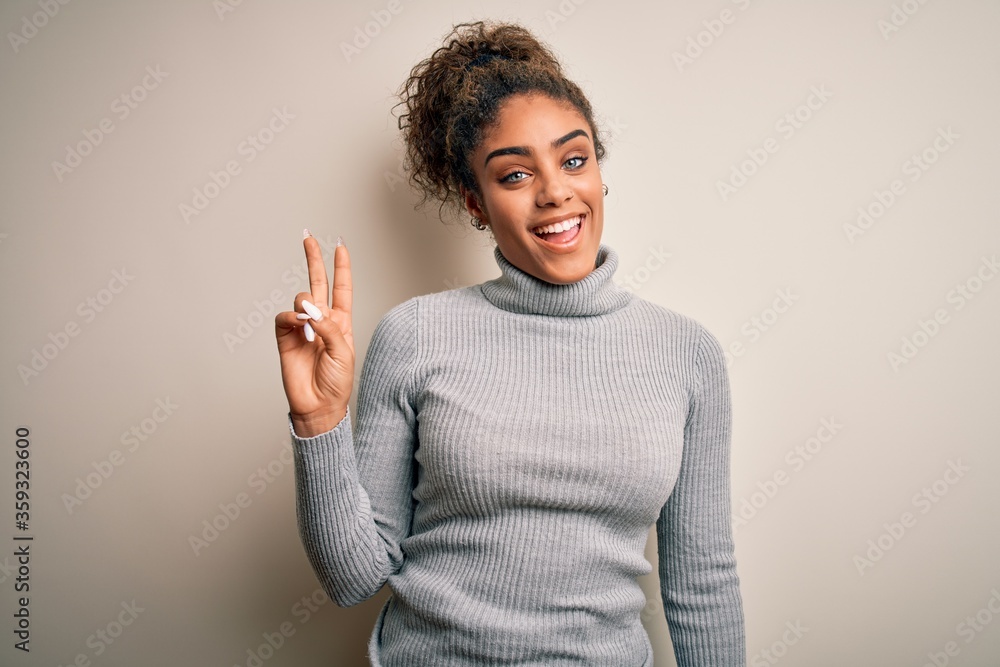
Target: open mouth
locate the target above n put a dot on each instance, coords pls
(560, 233)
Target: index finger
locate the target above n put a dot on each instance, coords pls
(318, 285)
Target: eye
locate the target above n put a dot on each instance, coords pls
(509, 178)
(580, 160)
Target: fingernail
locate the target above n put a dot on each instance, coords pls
(314, 312)
(340, 241)
(305, 234)
(302, 316)
(310, 334)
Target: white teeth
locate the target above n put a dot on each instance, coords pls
(558, 226)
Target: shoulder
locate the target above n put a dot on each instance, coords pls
(403, 321)
(695, 352)
(399, 320)
(693, 336)
(450, 303)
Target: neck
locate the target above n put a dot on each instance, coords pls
(595, 294)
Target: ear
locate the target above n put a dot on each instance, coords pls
(472, 205)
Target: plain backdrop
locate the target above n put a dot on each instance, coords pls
(815, 182)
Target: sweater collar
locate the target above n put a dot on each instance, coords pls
(595, 294)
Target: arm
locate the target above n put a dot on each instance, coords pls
(697, 567)
(354, 487)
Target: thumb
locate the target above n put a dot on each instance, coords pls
(323, 321)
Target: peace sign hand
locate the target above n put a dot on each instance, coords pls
(318, 375)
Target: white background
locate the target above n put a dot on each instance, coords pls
(676, 130)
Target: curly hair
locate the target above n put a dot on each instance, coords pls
(452, 98)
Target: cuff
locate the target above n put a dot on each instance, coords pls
(318, 436)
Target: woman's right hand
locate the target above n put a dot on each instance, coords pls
(318, 376)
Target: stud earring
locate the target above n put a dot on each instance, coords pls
(605, 186)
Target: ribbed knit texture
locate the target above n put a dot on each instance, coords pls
(515, 440)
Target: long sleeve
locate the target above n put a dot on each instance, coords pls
(354, 487)
(697, 564)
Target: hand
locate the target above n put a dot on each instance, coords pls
(318, 376)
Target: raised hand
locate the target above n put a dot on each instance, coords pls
(318, 375)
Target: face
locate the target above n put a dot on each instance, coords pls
(536, 166)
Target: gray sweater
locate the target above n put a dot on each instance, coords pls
(515, 441)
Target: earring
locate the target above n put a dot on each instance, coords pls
(605, 186)
(477, 223)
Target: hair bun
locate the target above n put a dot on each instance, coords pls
(484, 58)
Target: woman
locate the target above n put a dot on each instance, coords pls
(516, 439)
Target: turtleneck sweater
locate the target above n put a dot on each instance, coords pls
(515, 442)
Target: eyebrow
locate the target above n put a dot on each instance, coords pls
(524, 150)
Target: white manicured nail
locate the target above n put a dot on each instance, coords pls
(302, 316)
(305, 233)
(310, 334)
(314, 312)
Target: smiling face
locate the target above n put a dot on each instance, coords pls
(536, 166)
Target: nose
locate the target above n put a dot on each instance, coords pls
(553, 188)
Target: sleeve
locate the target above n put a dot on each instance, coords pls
(354, 502)
(699, 584)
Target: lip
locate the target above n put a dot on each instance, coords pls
(563, 248)
(553, 221)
